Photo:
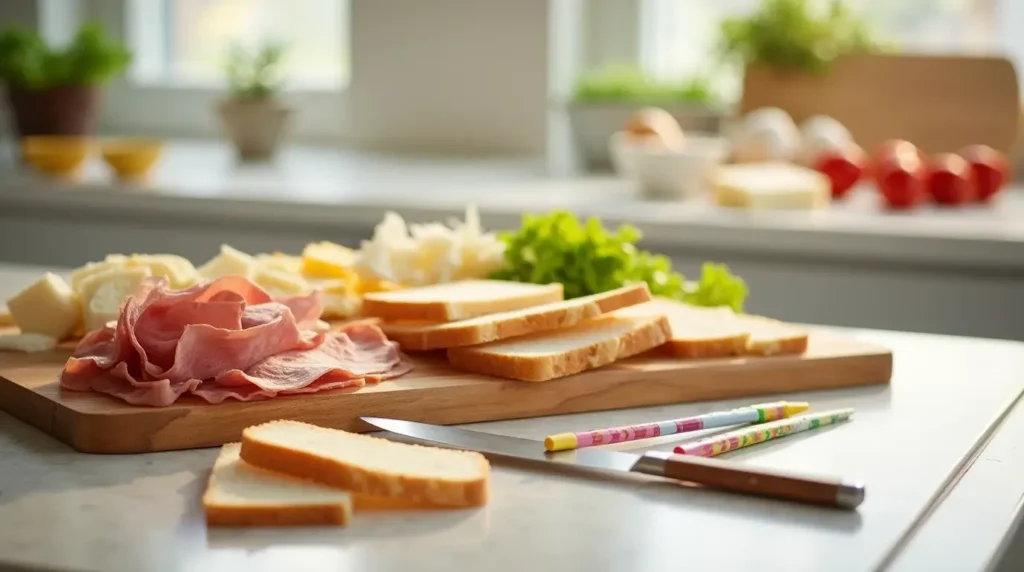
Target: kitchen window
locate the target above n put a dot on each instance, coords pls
(180, 47)
(677, 38)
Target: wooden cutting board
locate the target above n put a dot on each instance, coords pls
(939, 103)
(431, 393)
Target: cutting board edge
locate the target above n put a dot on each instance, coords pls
(88, 432)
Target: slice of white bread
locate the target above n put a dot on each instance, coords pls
(719, 332)
(698, 332)
(770, 337)
(558, 353)
(239, 494)
(504, 325)
(369, 465)
(458, 300)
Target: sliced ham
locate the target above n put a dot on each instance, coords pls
(225, 339)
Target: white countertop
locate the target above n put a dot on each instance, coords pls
(911, 443)
(323, 188)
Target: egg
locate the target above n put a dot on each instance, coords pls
(653, 126)
(822, 134)
(767, 134)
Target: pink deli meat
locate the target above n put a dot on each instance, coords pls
(221, 339)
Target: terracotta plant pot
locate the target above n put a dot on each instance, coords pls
(64, 110)
(256, 127)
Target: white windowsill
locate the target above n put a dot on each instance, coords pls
(198, 183)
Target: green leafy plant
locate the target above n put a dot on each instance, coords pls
(622, 83)
(255, 74)
(27, 62)
(587, 259)
(794, 35)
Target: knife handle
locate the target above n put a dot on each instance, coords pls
(730, 476)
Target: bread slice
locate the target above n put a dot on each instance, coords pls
(458, 300)
(239, 494)
(558, 353)
(504, 325)
(369, 465)
(698, 332)
(719, 332)
(770, 337)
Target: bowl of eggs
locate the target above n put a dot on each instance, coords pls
(666, 163)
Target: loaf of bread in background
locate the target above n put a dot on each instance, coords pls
(505, 325)
(368, 465)
(557, 353)
(458, 300)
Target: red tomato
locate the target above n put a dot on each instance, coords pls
(901, 176)
(890, 148)
(989, 170)
(843, 168)
(949, 180)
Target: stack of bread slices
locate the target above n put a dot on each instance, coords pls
(529, 332)
(291, 473)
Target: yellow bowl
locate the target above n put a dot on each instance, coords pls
(131, 157)
(55, 154)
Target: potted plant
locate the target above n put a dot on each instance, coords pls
(56, 91)
(792, 41)
(604, 100)
(253, 114)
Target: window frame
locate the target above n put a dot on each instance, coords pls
(190, 111)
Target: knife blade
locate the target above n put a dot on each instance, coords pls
(712, 473)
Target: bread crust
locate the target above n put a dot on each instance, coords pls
(552, 316)
(383, 305)
(276, 515)
(648, 334)
(349, 477)
(711, 347)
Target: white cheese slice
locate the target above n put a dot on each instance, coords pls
(278, 282)
(179, 271)
(104, 303)
(126, 276)
(771, 186)
(230, 261)
(48, 307)
(28, 343)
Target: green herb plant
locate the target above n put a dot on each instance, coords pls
(794, 35)
(27, 62)
(625, 83)
(256, 74)
(587, 259)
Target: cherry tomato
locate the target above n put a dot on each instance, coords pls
(889, 148)
(843, 168)
(949, 180)
(901, 176)
(989, 170)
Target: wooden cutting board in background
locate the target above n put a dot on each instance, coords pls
(939, 103)
(432, 393)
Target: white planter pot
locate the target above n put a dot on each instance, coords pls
(594, 123)
(255, 127)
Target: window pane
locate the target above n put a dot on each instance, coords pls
(196, 35)
(679, 38)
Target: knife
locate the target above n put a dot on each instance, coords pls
(713, 473)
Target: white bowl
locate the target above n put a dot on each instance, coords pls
(622, 151)
(681, 173)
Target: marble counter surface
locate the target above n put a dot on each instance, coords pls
(938, 450)
(322, 189)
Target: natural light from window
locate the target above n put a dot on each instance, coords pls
(678, 37)
(184, 43)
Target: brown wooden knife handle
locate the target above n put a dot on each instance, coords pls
(730, 476)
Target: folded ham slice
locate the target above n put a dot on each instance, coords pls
(225, 339)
